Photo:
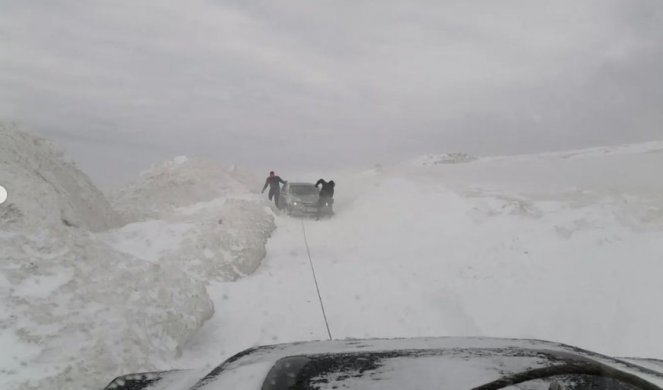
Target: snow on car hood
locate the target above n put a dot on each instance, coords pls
(420, 363)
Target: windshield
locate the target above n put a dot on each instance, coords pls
(483, 168)
(304, 190)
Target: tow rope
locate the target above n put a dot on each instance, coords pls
(315, 279)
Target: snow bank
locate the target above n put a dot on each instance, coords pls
(228, 244)
(180, 182)
(596, 153)
(73, 311)
(444, 158)
(44, 189)
(220, 225)
(603, 151)
(77, 313)
(220, 240)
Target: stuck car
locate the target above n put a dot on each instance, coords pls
(303, 199)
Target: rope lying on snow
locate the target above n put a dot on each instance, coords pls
(315, 279)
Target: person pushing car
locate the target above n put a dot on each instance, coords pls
(326, 196)
(327, 190)
(274, 182)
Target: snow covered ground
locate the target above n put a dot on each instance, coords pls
(560, 246)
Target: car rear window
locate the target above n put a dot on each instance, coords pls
(304, 190)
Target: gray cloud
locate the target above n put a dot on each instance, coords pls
(328, 83)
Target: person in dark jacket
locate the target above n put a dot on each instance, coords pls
(326, 196)
(274, 182)
(327, 190)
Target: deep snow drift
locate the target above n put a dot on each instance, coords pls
(561, 246)
(44, 189)
(177, 183)
(78, 307)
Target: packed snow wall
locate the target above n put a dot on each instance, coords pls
(77, 307)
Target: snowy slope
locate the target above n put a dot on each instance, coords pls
(444, 158)
(194, 215)
(220, 240)
(73, 309)
(177, 183)
(534, 246)
(45, 189)
(77, 307)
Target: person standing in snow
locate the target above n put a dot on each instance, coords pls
(274, 182)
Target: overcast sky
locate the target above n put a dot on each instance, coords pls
(278, 84)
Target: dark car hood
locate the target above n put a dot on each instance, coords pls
(420, 363)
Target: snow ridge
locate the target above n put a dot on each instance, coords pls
(84, 298)
(45, 189)
(177, 183)
(443, 158)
